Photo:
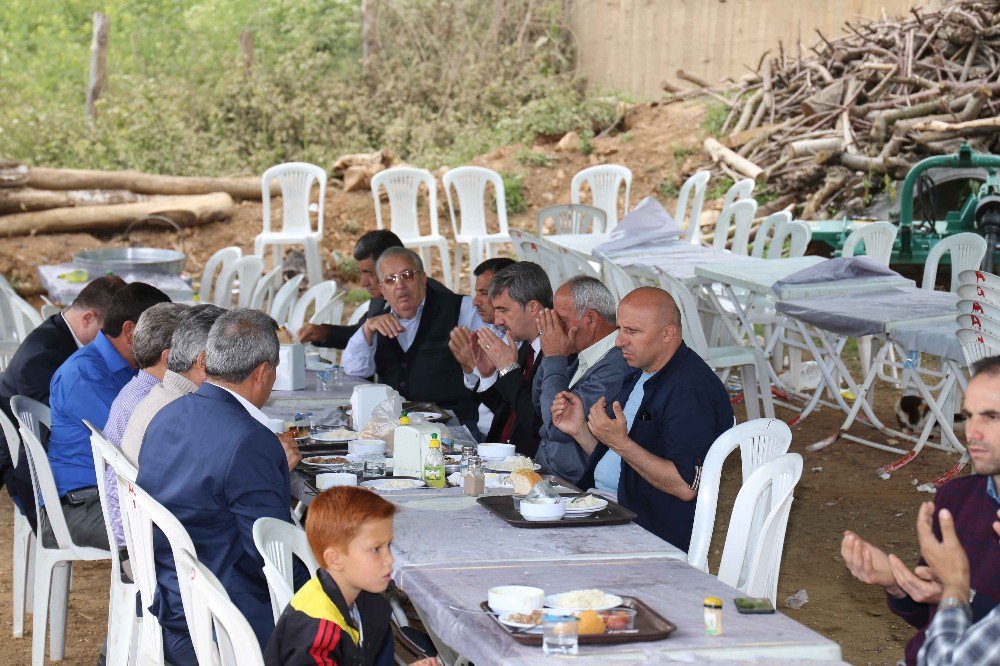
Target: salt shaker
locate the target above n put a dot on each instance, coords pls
(473, 480)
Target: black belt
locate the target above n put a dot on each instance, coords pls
(79, 496)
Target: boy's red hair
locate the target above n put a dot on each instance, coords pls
(336, 515)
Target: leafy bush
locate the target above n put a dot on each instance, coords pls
(514, 192)
(528, 157)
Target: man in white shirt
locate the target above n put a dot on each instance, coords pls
(408, 346)
(578, 343)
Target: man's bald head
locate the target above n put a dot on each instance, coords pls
(656, 300)
(648, 328)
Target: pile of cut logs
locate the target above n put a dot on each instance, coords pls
(822, 124)
(36, 200)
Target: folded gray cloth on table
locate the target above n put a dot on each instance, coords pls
(647, 224)
(840, 268)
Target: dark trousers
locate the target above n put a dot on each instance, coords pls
(85, 523)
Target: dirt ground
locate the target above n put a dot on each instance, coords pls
(839, 489)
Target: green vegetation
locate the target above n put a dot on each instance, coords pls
(534, 158)
(682, 152)
(514, 192)
(450, 79)
(715, 117)
(586, 142)
(718, 187)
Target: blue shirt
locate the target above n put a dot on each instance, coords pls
(991, 490)
(83, 388)
(608, 471)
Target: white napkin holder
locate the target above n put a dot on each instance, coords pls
(411, 444)
(364, 400)
(291, 374)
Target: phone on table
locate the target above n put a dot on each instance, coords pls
(753, 605)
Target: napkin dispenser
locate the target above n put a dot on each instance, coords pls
(364, 400)
(411, 444)
(291, 373)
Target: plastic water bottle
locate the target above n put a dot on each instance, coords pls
(434, 475)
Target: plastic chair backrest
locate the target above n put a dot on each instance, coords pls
(470, 183)
(796, 234)
(689, 203)
(31, 414)
(979, 292)
(247, 270)
(617, 280)
(216, 266)
(263, 293)
(551, 260)
(765, 231)
(284, 299)
(575, 264)
(45, 485)
(571, 219)
(518, 238)
(762, 550)
(604, 181)
(878, 238)
(7, 350)
(331, 313)
(315, 297)
(402, 184)
(693, 333)
(967, 252)
(358, 313)
(979, 323)
(741, 189)
(220, 634)
(979, 277)
(759, 441)
(296, 180)
(977, 345)
(277, 541)
(24, 317)
(740, 216)
(12, 437)
(982, 309)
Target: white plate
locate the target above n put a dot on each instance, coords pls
(308, 460)
(332, 437)
(491, 468)
(387, 484)
(610, 601)
(503, 619)
(582, 511)
(426, 416)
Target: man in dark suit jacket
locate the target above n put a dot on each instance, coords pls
(366, 252)
(518, 294)
(211, 460)
(37, 358)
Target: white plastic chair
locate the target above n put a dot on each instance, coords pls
(123, 625)
(878, 238)
(277, 541)
(53, 566)
(315, 298)
(979, 292)
(331, 313)
(217, 265)
(24, 538)
(220, 634)
(574, 263)
(763, 239)
(140, 515)
(571, 219)
(604, 180)
(23, 317)
(967, 252)
(7, 350)
(753, 371)
(740, 216)
(245, 270)
(795, 233)
(617, 280)
(267, 286)
(358, 313)
(977, 344)
(759, 554)
(402, 184)
(284, 299)
(518, 238)
(689, 204)
(470, 184)
(759, 441)
(296, 180)
(741, 189)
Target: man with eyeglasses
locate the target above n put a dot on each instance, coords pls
(408, 346)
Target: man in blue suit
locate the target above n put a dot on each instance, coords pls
(210, 459)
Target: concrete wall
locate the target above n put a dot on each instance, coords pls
(633, 45)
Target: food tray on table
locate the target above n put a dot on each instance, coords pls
(505, 508)
(649, 626)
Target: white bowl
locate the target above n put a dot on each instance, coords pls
(497, 451)
(542, 511)
(331, 479)
(363, 447)
(514, 598)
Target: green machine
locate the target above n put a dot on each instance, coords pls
(977, 212)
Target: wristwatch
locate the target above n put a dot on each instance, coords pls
(956, 602)
(510, 368)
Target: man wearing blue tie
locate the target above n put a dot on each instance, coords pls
(211, 460)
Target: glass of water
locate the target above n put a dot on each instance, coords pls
(560, 635)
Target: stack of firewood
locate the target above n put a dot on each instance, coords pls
(821, 125)
(37, 200)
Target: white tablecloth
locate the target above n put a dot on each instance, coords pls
(63, 292)
(873, 313)
(753, 273)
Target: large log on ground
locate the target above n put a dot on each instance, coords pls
(24, 199)
(144, 183)
(185, 211)
(743, 166)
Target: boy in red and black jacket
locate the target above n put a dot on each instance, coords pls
(339, 618)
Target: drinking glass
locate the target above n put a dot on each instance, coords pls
(560, 635)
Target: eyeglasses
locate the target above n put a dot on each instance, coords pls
(405, 276)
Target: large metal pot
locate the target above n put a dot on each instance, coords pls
(130, 259)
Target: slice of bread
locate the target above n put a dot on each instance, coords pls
(524, 480)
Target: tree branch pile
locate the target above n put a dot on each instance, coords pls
(825, 122)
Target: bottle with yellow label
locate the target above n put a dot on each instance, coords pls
(404, 419)
(434, 464)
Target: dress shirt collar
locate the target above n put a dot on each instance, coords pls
(79, 345)
(178, 382)
(536, 345)
(252, 410)
(598, 350)
(991, 490)
(112, 358)
(144, 379)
